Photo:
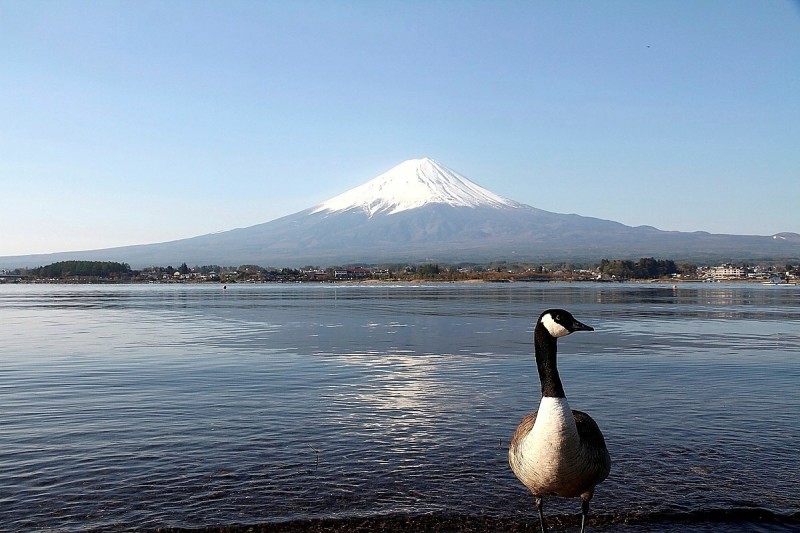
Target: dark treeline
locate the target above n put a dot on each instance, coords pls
(644, 268)
(100, 269)
(607, 269)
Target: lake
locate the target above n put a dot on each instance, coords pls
(390, 407)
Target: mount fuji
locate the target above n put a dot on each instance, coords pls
(421, 211)
(414, 184)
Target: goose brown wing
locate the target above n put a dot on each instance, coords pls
(525, 426)
(593, 443)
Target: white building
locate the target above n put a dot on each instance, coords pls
(726, 272)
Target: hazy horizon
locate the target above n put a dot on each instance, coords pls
(151, 122)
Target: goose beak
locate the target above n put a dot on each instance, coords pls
(580, 326)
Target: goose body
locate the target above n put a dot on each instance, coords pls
(556, 451)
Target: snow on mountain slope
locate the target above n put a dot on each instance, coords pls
(423, 227)
(411, 184)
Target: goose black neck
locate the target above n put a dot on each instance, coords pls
(544, 346)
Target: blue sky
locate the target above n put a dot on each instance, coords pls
(137, 122)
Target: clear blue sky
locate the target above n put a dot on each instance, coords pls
(138, 122)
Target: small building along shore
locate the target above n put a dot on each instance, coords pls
(726, 272)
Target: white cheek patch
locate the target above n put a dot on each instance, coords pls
(555, 329)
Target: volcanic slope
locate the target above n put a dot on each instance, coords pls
(421, 211)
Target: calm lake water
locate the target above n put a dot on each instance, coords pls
(137, 407)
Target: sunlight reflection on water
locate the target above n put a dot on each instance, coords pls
(186, 405)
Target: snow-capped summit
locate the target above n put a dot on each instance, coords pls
(420, 211)
(412, 184)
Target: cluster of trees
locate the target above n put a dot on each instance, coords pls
(426, 271)
(98, 269)
(221, 273)
(644, 268)
(621, 269)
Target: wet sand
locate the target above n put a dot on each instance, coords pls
(729, 520)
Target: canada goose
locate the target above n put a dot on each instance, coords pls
(557, 451)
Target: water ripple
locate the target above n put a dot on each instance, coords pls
(143, 407)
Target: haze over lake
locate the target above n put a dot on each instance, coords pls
(145, 406)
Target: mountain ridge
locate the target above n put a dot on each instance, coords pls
(421, 211)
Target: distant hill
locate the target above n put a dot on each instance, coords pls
(421, 211)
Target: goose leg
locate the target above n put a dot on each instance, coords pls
(541, 513)
(583, 518)
(584, 510)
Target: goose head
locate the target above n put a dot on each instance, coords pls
(560, 323)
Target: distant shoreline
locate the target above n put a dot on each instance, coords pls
(396, 281)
